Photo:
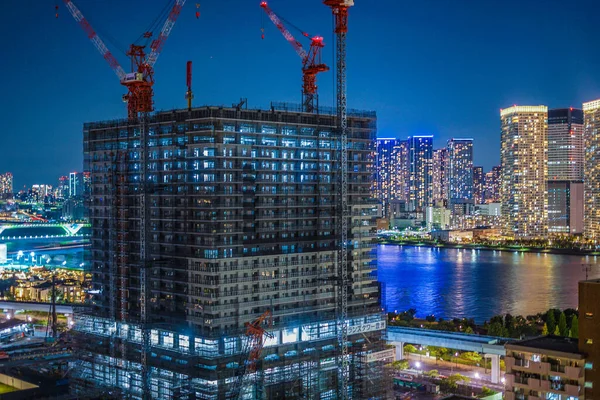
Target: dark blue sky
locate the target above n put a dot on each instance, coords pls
(431, 66)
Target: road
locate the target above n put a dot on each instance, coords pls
(448, 368)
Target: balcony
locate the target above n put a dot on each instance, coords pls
(572, 390)
(574, 373)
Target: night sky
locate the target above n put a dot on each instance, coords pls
(442, 67)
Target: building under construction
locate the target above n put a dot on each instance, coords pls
(237, 212)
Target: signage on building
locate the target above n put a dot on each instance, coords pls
(362, 328)
(381, 355)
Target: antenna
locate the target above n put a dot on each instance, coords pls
(189, 95)
(586, 268)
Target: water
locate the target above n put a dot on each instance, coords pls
(477, 284)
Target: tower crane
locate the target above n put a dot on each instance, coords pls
(256, 332)
(140, 80)
(311, 60)
(340, 12)
(140, 102)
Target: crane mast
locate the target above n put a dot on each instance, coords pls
(311, 60)
(340, 12)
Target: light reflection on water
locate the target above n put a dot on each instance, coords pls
(477, 283)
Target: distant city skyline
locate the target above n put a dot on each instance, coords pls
(419, 65)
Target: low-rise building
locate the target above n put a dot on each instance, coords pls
(437, 218)
(589, 334)
(452, 236)
(546, 367)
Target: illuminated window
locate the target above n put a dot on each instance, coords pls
(589, 385)
(589, 365)
(589, 341)
(589, 315)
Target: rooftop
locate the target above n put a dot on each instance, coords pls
(592, 281)
(549, 343)
(457, 397)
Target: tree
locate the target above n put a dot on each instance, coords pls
(495, 329)
(574, 327)
(400, 365)
(550, 321)
(545, 329)
(453, 380)
(434, 373)
(409, 348)
(556, 331)
(469, 330)
(486, 391)
(562, 325)
(471, 356)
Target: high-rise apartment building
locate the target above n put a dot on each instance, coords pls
(524, 194)
(460, 175)
(241, 210)
(591, 137)
(62, 190)
(76, 184)
(386, 172)
(478, 185)
(439, 177)
(493, 181)
(589, 334)
(401, 171)
(420, 157)
(6, 185)
(565, 145)
(565, 171)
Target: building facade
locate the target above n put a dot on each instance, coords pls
(420, 157)
(547, 367)
(460, 171)
(478, 185)
(401, 171)
(6, 186)
(589, 334)
(565, 171)
(386, 172)
(492, 185)
(241, 210)
(524, 194)
(439, 177)
(591, 136)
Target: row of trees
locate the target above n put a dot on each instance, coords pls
(408, 318)
(554, 321)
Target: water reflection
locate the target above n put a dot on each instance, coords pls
(477, 283)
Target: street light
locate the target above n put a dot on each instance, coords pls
(476, 375)
(418, 365)
(503, 380)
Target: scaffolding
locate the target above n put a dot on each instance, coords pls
(240, 209)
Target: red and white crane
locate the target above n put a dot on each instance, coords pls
(140, 102)
(311, 60)
(139, 82)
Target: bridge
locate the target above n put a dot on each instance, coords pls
(12, 306)
(42, 230)
(490, 346)
(36, 306)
